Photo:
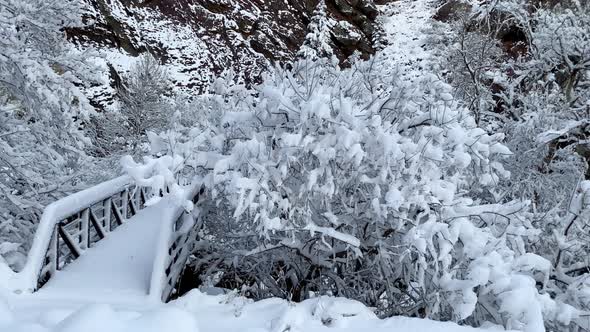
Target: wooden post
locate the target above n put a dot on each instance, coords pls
(142, 197)
(54, 249)
(134, 208)
(125, 203)
(106, 206)
(85, 229)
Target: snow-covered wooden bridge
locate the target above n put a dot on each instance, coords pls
(104, 241)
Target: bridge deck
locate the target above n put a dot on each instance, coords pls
(118, 266)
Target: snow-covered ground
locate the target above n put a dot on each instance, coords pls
(206, 313)
(64, 307)
(408, 27)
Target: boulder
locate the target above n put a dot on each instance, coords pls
(368, 8)
(344, 7)
(452, 10)
(347, 34)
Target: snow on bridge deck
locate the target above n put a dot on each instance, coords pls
(118, 266)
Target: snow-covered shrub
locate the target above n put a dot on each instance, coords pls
(545, 167)
(562, 47)
(143, 106)
(41, 109)
(348, 183)
(473, 68)
(540, 93)
(543, 98)
(572, 266)
(158, 174)
(487, 37)
(549, 98)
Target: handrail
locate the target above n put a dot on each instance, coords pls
(54, 214)
(72, 224)
(176, 242)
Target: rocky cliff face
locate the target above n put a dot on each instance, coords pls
(197, 39)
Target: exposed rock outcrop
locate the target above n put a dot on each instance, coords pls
(198, 39)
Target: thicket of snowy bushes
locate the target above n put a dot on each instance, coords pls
(538, 97)
(52, 142)
(460, 200)
(345, 182)
(41, 111)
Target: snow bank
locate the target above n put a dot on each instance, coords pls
(330, 314)
(6, 316)
(322, 311)
(102, 317)
(198, 312)
(99, 318)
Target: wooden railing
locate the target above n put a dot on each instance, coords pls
(75, 223)
(70, 225)
(177, 241)
(75, 233)
(182, 244)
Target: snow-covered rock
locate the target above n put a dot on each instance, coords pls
(198, 39)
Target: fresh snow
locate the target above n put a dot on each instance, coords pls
(197, 311)
(118, 266)
(404, 23)
(107, 288)
(58, 210)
